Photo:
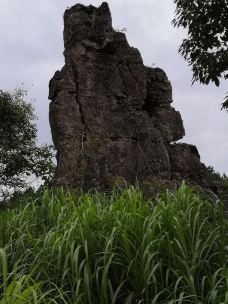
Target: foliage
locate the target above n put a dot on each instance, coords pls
(17, 291)
(19, 154)
(206, 45)
(210, 175)
(97, 248)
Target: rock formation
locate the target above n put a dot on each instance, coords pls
(111, 116)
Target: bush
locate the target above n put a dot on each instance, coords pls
(118, 248)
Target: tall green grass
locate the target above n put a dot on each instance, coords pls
(114, 248)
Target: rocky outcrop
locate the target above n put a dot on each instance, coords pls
(111, 117)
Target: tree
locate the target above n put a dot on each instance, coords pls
(206, 45)
(20, 158)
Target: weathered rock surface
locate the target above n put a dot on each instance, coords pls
(111, 117)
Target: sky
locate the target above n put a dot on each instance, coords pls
(32, 50)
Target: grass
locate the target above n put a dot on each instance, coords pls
(117, 248)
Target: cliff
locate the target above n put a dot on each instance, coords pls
(112, 117)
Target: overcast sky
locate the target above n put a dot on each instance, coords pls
(32, 46)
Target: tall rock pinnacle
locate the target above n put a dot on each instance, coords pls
(111, 116)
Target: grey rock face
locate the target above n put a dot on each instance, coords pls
(111, 117)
